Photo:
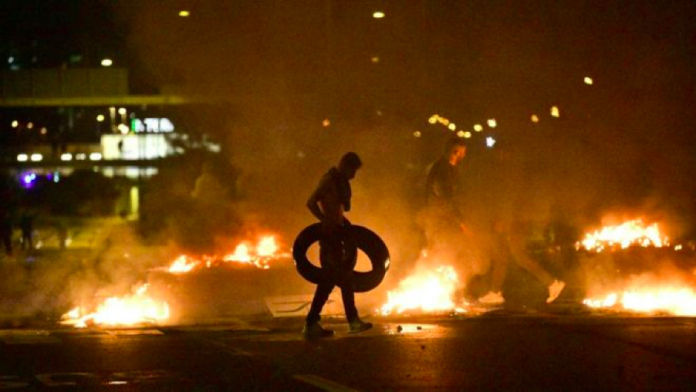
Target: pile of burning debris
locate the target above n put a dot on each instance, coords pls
(619, 264)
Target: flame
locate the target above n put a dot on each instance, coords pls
(183, 264)
(627, 234)
(134, 309)
(260, 256)
(428, 291)
(680, 301)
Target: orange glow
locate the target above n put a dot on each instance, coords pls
(627, 234)
(259, 255)
(679, 301)
(183, 264)
(429, 291)
(134, 309)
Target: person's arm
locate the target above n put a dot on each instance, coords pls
(313, 204)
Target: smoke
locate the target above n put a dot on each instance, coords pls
(293, 96)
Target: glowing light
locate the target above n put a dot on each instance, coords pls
(555, 112)
(535, 118)
(680, 301)
(30, 125)
(260, 256)
(66, 157)
(95, 156)
(22, 157)
(378, 15)
(107, 62)
(467, 135)
(15, 124)
(427, 291)
(490, 142)
(184, 13)
(375, 59)
(134, 309)
(417, 134)
(433, 119)
(678, 247)
(627, 234)
(123, 128)
(267, 247)
(183, 264)
(478, 128)
(461, 134)
(492, 123)
(588, 80)
(44, 130)
(452, 126)
(100, 117)
(36, 157)
(122, 111)
(326, 122)
(80, 157)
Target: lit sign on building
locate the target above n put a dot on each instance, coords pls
(156, 125)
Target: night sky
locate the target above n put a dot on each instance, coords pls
(288, 65)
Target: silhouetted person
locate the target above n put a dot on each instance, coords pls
(6, 214)
(441, 219)
(26, 224)
(329, 201)
(6, 230)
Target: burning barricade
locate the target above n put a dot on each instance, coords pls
(632, 268)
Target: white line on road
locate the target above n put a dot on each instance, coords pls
(229, 349)
(323, 383)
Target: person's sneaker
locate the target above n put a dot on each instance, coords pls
(316, 331)
(492, 298)
(358, 325)
(555, 290)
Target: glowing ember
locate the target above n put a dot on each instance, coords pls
(677, 301)
(183, 264)
(259, 256)
(135, 309)
(429, 291)
(628, 234)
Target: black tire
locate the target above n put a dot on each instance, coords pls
(365, 239)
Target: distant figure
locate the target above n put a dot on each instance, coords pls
(26, 224)
(328, 203)
(62, 233)
(6, 230)
(448, 238)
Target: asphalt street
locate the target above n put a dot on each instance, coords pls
(492, 352)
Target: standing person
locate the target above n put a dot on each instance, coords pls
(6, 214)
(441, 219)
(6, 230)
(328, 203)
(26, 224)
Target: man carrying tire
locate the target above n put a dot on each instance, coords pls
(329, 201)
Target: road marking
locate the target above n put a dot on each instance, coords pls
(323, 383)
(229, 349)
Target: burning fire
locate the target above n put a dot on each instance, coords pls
(673, 300)
(628, 234)
(429, 291)
(134, 309)
(259, 256)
